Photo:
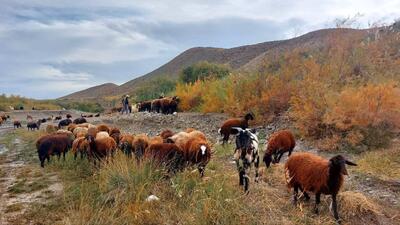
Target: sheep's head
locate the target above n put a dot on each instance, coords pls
(340, 162)
(267, 159)
(247, 141)
(249, 116)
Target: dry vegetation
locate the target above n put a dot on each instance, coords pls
(116, 193)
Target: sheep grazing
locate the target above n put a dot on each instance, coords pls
(102, 134)
(58, 118)
(92, 131)
(16, 124)
(144, 106)
(311, 173)
(71, 127)
(169, 105)
(156, 140)
(195, 146)
(100, 148)
(125, 144)
(33, 125)
(44, 120)
(52, 144)
(246, 154)
(64, 123)
(79, 145)
(139, 144)
(68, 116)
(4, 117)
(80, 131)
(226, 128)
(278, 143)
(165, 134)
(89, 116)
(97, 115)
(156, 105)
(103, 127)
(166, 154)
(79, 120)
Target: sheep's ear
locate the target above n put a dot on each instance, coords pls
(350, 163)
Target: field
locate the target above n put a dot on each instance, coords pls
(76, 192)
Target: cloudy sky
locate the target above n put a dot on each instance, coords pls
(49, 48)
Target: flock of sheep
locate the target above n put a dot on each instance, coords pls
(304, 172)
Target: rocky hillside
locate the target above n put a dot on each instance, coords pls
(246, 58)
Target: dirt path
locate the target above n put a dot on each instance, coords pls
(22, 183)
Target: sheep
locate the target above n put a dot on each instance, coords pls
(226, 128)
(246, 154)
(79, 120)
(103, 127)
(115, 133)
(100, 148)
(58, 118)
(311, 173)
(102, 134)
(144, 106)
(97, 115)
(196, 149)
(165, 134)
(71, 127)
(83, 130)
(4, 117)
(51, 129)
(156, 105)
(33, 125)
(68, 116)
(79, 145)
(139, 144)
(16, 124)
(52, 144)
(156, 140)
(169, 105)
(278, 143)
(44, 120)
(64, 122)
(92, 131)
(29, 117)
(167, 154)
(125, 144)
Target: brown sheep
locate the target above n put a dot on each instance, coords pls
(102, 134)
(311, 173)
(16, 124)
(226, 128)
(52, 144)
(71, 127)
(156, 105)
(1, 121)
(167, 154)
(103, 127)
(51, 129)
(155, 140)
(101, 148)
(165, 134)
(92, 131)
(196, 149)
(125, 144)
(115, 133)
(197, 152)
(79, 145)
(139, 144)
(82, 130)
(278, 143)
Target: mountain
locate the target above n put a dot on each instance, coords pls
(92, 92)
(246, 58)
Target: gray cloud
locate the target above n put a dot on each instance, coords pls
(51, 48)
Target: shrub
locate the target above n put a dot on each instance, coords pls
(203, 70)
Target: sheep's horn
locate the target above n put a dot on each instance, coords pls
(350, 163)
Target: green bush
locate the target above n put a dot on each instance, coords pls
(154, 88)
(203, 70)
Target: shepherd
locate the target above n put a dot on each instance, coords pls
(125, 105)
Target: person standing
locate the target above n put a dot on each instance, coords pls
(125, 105)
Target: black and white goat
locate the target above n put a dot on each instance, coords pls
(246, 154)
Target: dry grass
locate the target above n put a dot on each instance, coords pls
(384, 164)
(116, 192)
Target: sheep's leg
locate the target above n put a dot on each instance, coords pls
(317, 201)
(306, 196)
(334, 207)
(256, 165)
(225, 139)
(279, 157)
(295, 192)
(201, 171)
(64, 155)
